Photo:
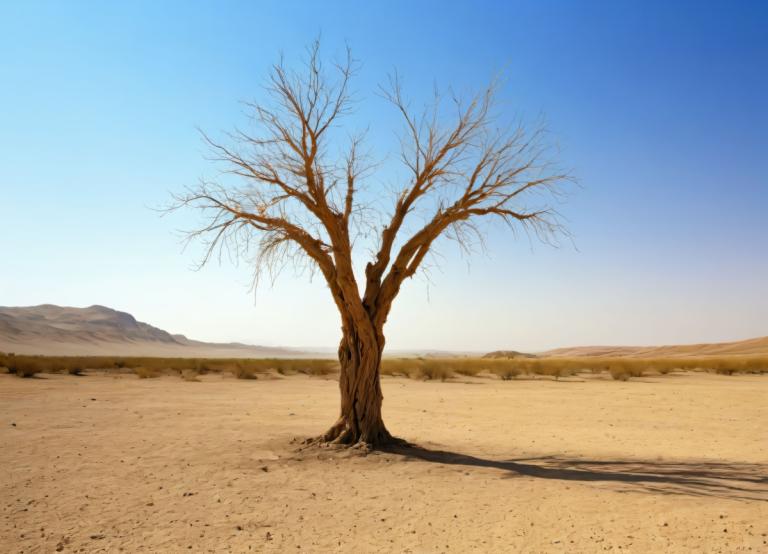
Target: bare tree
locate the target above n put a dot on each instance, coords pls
(296, 202)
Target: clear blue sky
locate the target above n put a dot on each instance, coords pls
(659, 108)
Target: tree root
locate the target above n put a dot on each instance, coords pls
(341, 435)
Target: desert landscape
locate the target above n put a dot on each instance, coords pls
(394, 277)
(110, 462)
(573, 450)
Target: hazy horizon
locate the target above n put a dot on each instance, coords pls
(665, 126)
(331, 349)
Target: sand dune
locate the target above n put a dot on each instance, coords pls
(757, 346)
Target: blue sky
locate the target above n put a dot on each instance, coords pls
(658, 108)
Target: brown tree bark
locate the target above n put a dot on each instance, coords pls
(360, 419)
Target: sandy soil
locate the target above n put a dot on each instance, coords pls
(113, 463)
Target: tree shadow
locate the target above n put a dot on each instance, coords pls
(730, 480)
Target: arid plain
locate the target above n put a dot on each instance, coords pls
(106, 463)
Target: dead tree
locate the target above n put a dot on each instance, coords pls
(295, 201)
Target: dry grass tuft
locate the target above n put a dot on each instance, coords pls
(75, 370)
(243, 372)
(146, 372)
(190, 375)
(26, 372)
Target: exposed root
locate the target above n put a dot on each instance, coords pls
(341, 435)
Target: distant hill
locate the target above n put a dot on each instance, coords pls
(508, 354)
(757, 346)
(98, 330)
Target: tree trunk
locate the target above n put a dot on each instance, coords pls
(360, 419)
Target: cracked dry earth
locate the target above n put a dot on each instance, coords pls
(110, 463)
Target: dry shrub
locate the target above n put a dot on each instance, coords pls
(509, 373)
(399, 367)
(73, 367)
(319, 367)
(756, 365)
(146, 372)
(468, 367)
(26, 367)
(305, 366)
(202, 367)
(8, 361)
(619, 374)
(25, 371)
(434, 369)
(623, 369)
(243, 372)
(190, 375)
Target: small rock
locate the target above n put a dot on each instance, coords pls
(264, 468)
(97, 537)
(269, 536)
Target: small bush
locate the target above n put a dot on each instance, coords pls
(622, 369)
(619, 374)
(725, 370)
(75, 370)
(509, 374)
(190, 375)
(28, 366)
(9, 362)
(468, 367)
(434, 369)
(318, 367)
(146, 372)
(243, 372)
(26, 372)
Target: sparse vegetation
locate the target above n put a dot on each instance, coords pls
(190, 375)
(26, 371)
(146, 372)
(74, 369)
(242, 371)
(415, 368)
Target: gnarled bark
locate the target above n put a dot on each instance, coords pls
(360, 419)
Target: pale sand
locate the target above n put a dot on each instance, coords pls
(103, 463)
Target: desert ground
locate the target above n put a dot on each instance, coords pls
(109, 463)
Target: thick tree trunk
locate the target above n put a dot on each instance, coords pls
(360, 419)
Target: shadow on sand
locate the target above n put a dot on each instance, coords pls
(732, 480)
